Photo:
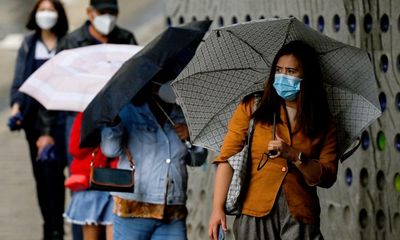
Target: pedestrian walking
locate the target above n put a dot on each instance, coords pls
(88, 208)
(100, 27)
(49, 24)
(293, 150)
(154, 131)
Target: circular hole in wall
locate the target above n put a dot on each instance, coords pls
(381, 141)
(247, 18)
(306, 20)
(220, 21)
(382, 101)
(364, 177)
(347, 215)
(331, 211)
(380, 180)
(396, 182)
(189, 228)
(189, 193)
(384, 63)
(321, 23)
(181, 20)
(168, 21)
(365, 141)
(234, 20)
(398, 101)
(351, 23)
(385, 23)
(397, 142)
(398, 23)
(348, 177)
(380, 219)
(368, 23)
(201, 230)
(194, 18)
(363, 218)
(202, 195)
(396, 221)
(262, 17)
(336, 23)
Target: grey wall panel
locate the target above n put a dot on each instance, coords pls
(365, 201)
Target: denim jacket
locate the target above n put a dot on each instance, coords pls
(158, 153)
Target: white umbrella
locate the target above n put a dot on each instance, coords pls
(71, 79)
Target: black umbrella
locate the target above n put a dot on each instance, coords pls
(168, 54)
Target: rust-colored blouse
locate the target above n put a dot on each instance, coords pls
(300, 191)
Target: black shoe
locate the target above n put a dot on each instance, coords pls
(54, 235)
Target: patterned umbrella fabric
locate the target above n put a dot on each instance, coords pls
(71, 79)
(235, 61)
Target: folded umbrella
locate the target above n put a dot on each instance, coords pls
(168, 54)
(235, 61)
(72, 78)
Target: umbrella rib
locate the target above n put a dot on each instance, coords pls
(245, 42)
(222, 70)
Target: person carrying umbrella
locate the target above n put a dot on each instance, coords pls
(153, 129)
(289, 159)
(49, 23)
(100, 28)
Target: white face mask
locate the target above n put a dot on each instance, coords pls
(46, 19)
(105, 23)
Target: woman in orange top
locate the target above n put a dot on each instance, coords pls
(281, 200)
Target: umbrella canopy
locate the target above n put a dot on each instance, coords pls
(168, 54)
(235, 61)
(72, 78)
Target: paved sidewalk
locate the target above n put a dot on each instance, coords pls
(20, 217)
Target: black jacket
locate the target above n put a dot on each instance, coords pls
(81, 37)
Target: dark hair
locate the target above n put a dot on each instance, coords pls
(313, 115)
(61, 27)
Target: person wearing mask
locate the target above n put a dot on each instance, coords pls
(100, 28)
(293, 151)
(49, 24)
(153, 130)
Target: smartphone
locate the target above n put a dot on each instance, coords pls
(221, 233)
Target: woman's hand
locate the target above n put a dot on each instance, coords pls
(43, 141)
(218, 218)
(282, 148)
(182, 131)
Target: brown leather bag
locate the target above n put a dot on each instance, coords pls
(112, 179)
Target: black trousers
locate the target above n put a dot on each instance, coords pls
(49, 178)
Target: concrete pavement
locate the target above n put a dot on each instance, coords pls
(20, 218)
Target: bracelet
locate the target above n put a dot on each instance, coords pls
(299, 160)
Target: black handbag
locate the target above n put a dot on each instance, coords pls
(111, 179)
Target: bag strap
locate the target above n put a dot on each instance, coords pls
(127, 152)
(250, 131)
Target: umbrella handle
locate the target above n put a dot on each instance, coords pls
(188, 144)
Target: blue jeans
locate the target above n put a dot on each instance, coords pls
(148, 229)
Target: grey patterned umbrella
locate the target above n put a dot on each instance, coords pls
(235, 61)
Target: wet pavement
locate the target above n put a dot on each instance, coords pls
(20, 217)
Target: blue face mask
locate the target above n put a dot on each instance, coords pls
(287, 86)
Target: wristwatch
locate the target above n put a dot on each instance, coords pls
(300, 159)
